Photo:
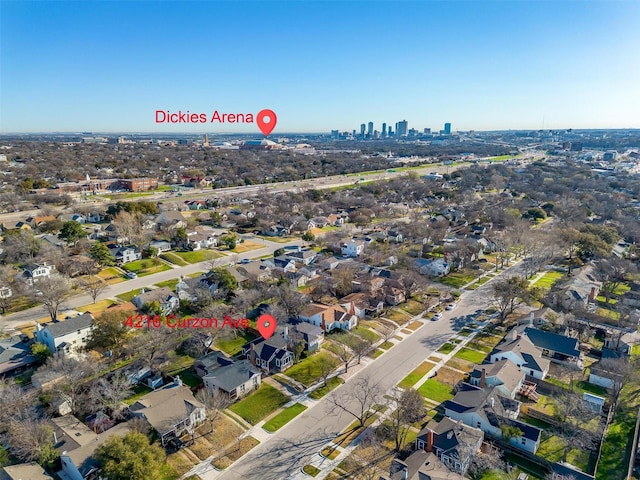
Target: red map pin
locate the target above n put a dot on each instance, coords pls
(266, 325)
(266, 120)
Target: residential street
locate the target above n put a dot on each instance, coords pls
(290, 448)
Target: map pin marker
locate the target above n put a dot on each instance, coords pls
(266, 120)
(266, 325)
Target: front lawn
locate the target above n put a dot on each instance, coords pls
(233, 346)
(459, 279)
(128, 296)
(168, 283)
(332, 383)
(259, 404)
(446, 348)
(145, 267)
(366, 334)
(198, 256)
(309, 370)
(284, 417)
(247, 246)
(548, 279)
(435, 390)
(111, 275)
(411, 379)
(173, 258)
(470, 355)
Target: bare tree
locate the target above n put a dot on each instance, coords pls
(409, 409)
(326, 366)
(111, 393)
(370, 455)
(612, 272)
(410, 282)
(359, 346)
(214, 402)
(153, 345)
(51, 291)
(573, 415)
(17, 403)
(72, 385)
(344, 353)
(93, 286)
(508, 294)
(31, 440)
(358, 400)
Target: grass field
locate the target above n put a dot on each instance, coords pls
(173, 258)
(111, 275)
(247, 246)
(145, 267)
(332, 383)
(284, 417)
(470, 355)
(435, 390)
(309, 370)
(548, 279)
(197, 256)
(127, 296)
(232, 346)
(97, 307)
(366, 334)
(446, 348)
(411, 379)
(458, 279)
(259, 404)
(552, 449)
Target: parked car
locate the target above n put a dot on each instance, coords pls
(131, 275)
(436, 317)
(176, 443)
(451, 306)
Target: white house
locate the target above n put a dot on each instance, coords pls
(236, 380)
(483, 408)
(125, 254)
(433, 268)
(169, 301)
(67, 336)
(523, 353)
(354, 248)
(328, 317)
(35, 271)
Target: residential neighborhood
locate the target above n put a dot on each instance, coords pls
(480, 337)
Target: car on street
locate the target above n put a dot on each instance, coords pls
(451, 306)
(436, 317)
(131, 275)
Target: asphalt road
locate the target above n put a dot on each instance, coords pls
(291, 447)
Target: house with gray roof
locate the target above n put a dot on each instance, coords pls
(66, 336)
(485, 409)
(557, 347)
(169, 301)
(523, 353)
(272, 355)
(235, 380)
(504, 375)
(420, 465)
(15, 355)
(454, 443)
(24, 471)
(210, 362)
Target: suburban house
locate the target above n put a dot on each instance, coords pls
(361, 304)
(35, 222)
(255, 271)
(328, 317)
(235, 380)
(420, 465)
(66, 336)
(311, 335)
(171, 220)
(54, 240)
(161, 246)
(15, 355)
(125, 254)
(168, 300)
(354, 248)
(306, 256)
(78, 217)
(454, 443)
(199, 240)
(580, 290)
(283, 263)
(35, 271)
(557, 347)
(76, 444)
(95, 217)
(23, 471)
(432, 267)
(172, 411)
(270, 355)
(504, 375)
(210, 362)
(523, 353)
(485, 409)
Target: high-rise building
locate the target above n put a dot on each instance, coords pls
(427, 131)
(402, 128)
(362, 129)
(370, 129)
(447, 129)
(390, 131)
(384, 129)
(335, 134)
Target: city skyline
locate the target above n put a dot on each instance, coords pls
(88, 66)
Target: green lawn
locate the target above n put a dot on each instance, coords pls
(366, 334)
(198, 256)
(311, 470)
(386, 345)
(173, 258)
(332, 383)
(309, 371)
(168, 283)
(284, 417)
(411, 379)
(233, 346)
(458, 279)
(127, 296)
(446, 348)
(548, 279)
(435, 390)
(552, 450)
(145, 267)
(259, 404)
(470, 355)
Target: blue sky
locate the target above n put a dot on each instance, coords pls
(108, 66)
